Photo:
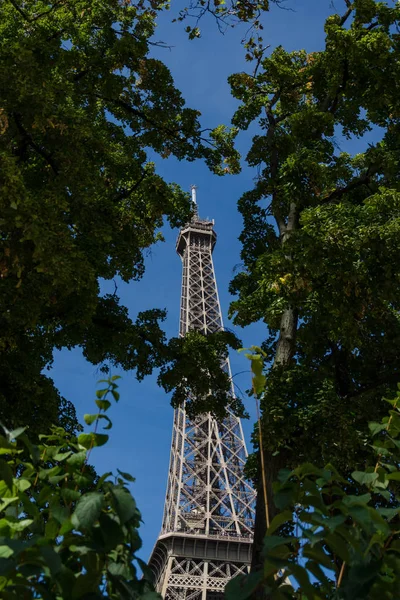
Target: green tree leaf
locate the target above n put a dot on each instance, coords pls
(125, 505)
(90, 440)
(6, 474)
(126, 476)
(279, 520)
(242, 587)
(103, 404)
(88, 510)
(364, 478)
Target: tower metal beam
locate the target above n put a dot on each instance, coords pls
(208, 521)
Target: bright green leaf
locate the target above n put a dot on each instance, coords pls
(103, 404)
(90, 440)
(89, 419)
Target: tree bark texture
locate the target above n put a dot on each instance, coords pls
(285, 351)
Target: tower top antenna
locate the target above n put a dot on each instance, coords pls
(194, 199)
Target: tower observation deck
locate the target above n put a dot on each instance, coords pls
(207, 528)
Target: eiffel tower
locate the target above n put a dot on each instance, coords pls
(207, 528)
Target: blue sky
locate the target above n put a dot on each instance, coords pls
(142, 421)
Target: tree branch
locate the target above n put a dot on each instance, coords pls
(273, 101)
(274, 158)
(390, 378)
(259, 59)
(331, 105)
(127, 192)
(372, 26)
(36, 17)
(138, 113)
(81, 74)
(359, 181)
(46, 12)
(29, 140)
(346, 14)
(20, 10)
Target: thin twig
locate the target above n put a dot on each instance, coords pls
(140, 114)
(37, 474)
(264, 482)
(339, 583)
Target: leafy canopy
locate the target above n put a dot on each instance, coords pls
(321, 232)
(320, 241)
(82, 105)
(65, 533)
(335, 537)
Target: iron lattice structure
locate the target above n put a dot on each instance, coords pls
(208, 518)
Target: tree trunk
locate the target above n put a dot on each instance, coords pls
(286, 345)
(285, 351)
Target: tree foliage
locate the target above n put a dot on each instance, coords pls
(226, 14)
(195, 376)
(321, 238)
(65, 533)
(335, 537)
(82, 104)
